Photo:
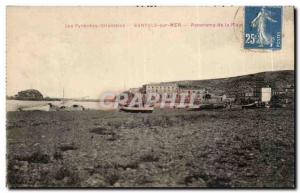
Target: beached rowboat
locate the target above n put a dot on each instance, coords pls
(201, 107)
(45, 107)
(250, 106)
(137, 109)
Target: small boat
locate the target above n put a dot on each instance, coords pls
(137, 109)
(219, 106)
(194, 108)
(74, 107)
(45, 107)
(250, 106)
(201, 107)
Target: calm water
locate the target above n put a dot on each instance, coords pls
(13, 105)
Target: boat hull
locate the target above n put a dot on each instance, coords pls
(46, 107)
(250, 106)
(136, 110)
(201, 107)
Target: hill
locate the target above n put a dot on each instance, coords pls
(274, 79)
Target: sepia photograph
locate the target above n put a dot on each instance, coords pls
(150, 97)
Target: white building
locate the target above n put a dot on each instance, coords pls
(266, 94)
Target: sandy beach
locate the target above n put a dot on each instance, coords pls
(168, 148)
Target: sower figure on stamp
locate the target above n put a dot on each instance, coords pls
(260, 23)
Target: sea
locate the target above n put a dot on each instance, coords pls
(13, 105)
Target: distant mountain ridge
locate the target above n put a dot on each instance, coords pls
(274, 79)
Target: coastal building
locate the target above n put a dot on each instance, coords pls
(199, 95)
(161, 88)
(250, 94)
(256, 93)
(287, 90)
(193, 91)
(284, 94)
(266, 94)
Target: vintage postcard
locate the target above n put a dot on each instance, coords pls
(150, 96)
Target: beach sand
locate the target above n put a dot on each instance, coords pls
(168, 148)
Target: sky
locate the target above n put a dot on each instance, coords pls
(45, 53)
